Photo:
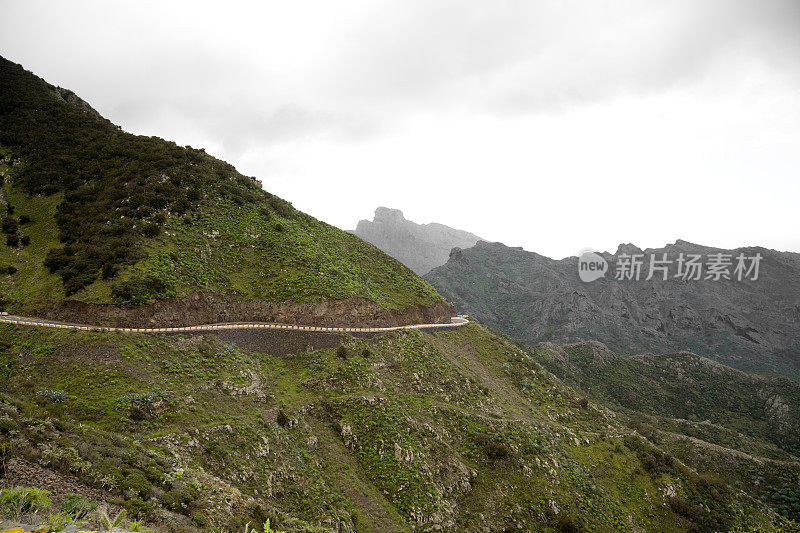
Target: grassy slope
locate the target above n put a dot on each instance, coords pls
(227, 249)
(32, 283)
(740, 426)
(139, 208)
(458, 428)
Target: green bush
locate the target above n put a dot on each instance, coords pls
(180, 499)
(17, 501)
(282, 419)
(566, 524)
(140, 405)
(138, 507)
(52, 396)
(5, 454)
(151, 230)
(10, 225)
(138, 482)
(146, 399)
(199, 519)
(59, 520)
(139, 290)
(495, 449)
(109, 271)
(77, 506)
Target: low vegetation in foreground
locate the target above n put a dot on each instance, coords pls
(458, 430)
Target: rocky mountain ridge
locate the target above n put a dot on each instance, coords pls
(420, 247)
(749, 324)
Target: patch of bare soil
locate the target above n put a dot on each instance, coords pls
(20, 472)
(209, 308)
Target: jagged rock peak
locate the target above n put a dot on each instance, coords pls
(386, 214)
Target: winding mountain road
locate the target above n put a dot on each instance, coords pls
(455, 322)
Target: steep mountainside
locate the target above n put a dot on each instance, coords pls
(751, 325)
(95, 215)
(420, 247)
(455, 431)
(699, 409)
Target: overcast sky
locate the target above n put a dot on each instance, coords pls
(552, 125)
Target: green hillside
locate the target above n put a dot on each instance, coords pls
(743, 427)
(95, 214)
(456, 430)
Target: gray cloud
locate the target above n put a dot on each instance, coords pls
(385, 99)
(519, 56)
(389, 59)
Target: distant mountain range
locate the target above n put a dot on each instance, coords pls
(420, 247)
(753, 325)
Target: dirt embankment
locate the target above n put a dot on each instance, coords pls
(208, 308)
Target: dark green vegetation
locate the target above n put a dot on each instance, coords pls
(457, 429)
(737, 427)
(92, 213)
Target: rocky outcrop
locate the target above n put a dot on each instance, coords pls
(420, 247)
(209, 308)
(752, 325)
(74, 100)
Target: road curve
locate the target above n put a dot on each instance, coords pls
(455, 322)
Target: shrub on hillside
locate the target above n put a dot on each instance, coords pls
(109, 271)
(495, 449)
(9, 225)
(139, 290)
(180, 499)
(77, 506)
(282, 419)
(18, 501)
(5, 454)
(52, 396)
(151, 230)
(140, 405)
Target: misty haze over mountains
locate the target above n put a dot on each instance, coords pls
(420, 247)
(751, 325)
